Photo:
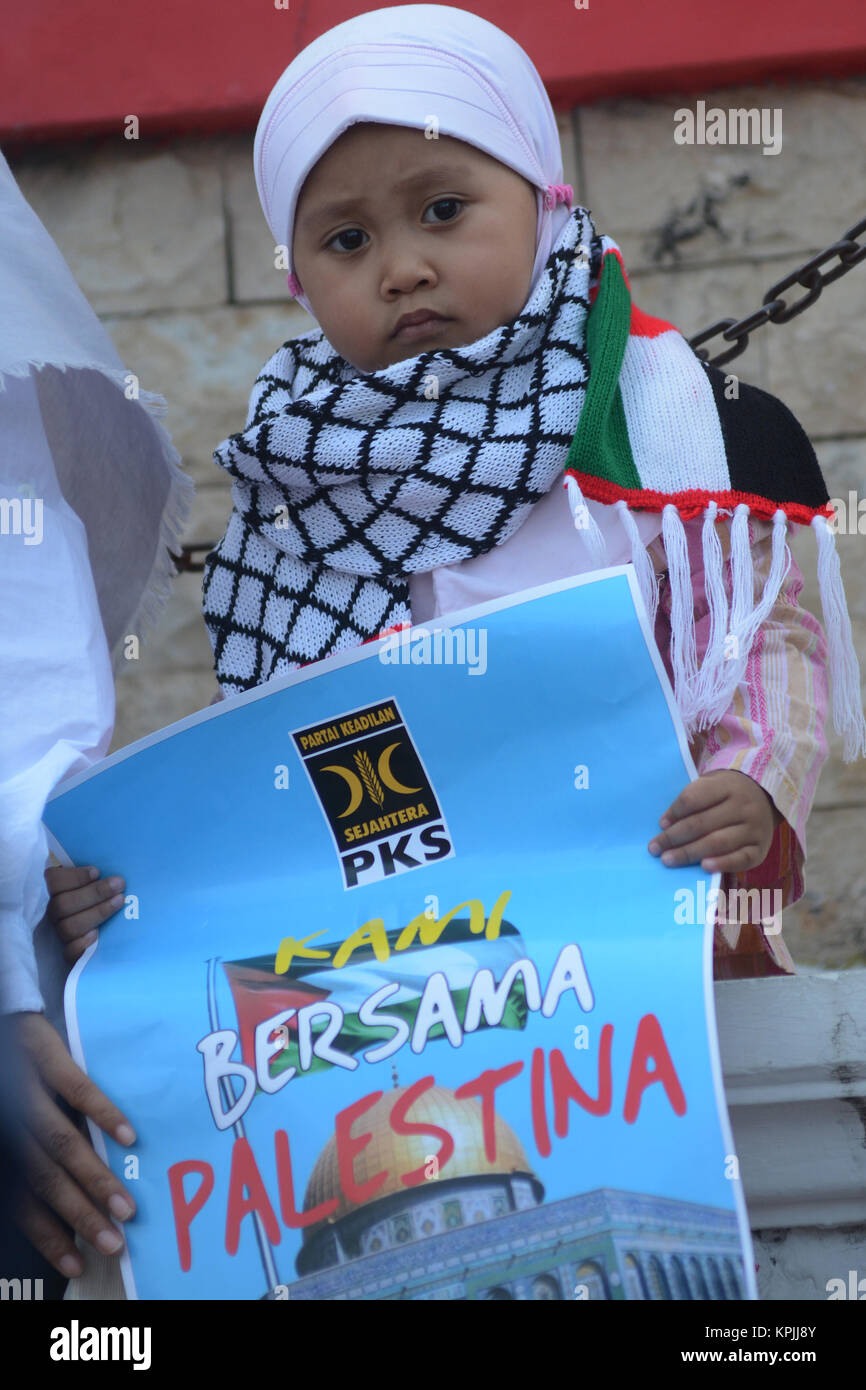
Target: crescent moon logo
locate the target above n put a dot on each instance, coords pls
(356, 786)
(356, 791)
(387, 775)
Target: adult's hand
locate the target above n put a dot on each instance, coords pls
(62, 1177)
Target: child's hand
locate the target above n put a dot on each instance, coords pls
(80, 902)
(725, 820)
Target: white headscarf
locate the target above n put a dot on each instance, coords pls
(401, 66)
(92, 498)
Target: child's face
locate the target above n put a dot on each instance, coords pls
(460, 240)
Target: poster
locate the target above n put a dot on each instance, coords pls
(399, 1004)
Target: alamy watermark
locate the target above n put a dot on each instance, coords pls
(849, 516)
(759, 906)
(854, 1288)
(448, 646)
(738, 126)
(22, 516)
(21, 1290)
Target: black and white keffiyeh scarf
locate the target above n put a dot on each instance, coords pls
(346, 483)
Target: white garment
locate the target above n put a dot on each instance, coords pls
(409, 65)
(55, 679)
(546, 548)
(91, 499)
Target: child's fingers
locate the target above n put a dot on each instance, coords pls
(730, 842)
(735, 863)
(77, 911)
(700, 795)
(691, 828)
(59, 878)
(75, 950)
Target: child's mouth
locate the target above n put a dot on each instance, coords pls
(420, 328)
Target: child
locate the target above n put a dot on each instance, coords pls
(390, 475)
(409, 162)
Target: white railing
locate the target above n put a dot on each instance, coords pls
(793, 1052)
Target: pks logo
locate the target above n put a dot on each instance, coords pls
(374, 790)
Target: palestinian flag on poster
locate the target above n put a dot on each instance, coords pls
(259, 993)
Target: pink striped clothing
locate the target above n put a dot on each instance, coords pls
(773, 731)
(774, 728)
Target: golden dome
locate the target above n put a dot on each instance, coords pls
(403, 1153)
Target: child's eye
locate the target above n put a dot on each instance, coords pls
(447, 202)
(455, 203)
(349, 231)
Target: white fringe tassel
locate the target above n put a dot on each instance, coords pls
(780, 563)
(848, 717)
(724, 671)
(683, 652)
(717, 602)
(704, 695)
(586, 524)
(644, 569)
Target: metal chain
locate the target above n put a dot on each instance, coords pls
(773, 310)
(773, 307)
(184, 561)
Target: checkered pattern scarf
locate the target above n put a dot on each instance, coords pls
(345, 483)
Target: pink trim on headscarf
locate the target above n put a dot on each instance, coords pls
(558, 193)
(294, 284)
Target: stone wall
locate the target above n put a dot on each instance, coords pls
(168, 242)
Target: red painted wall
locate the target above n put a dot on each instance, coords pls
(76, 67)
